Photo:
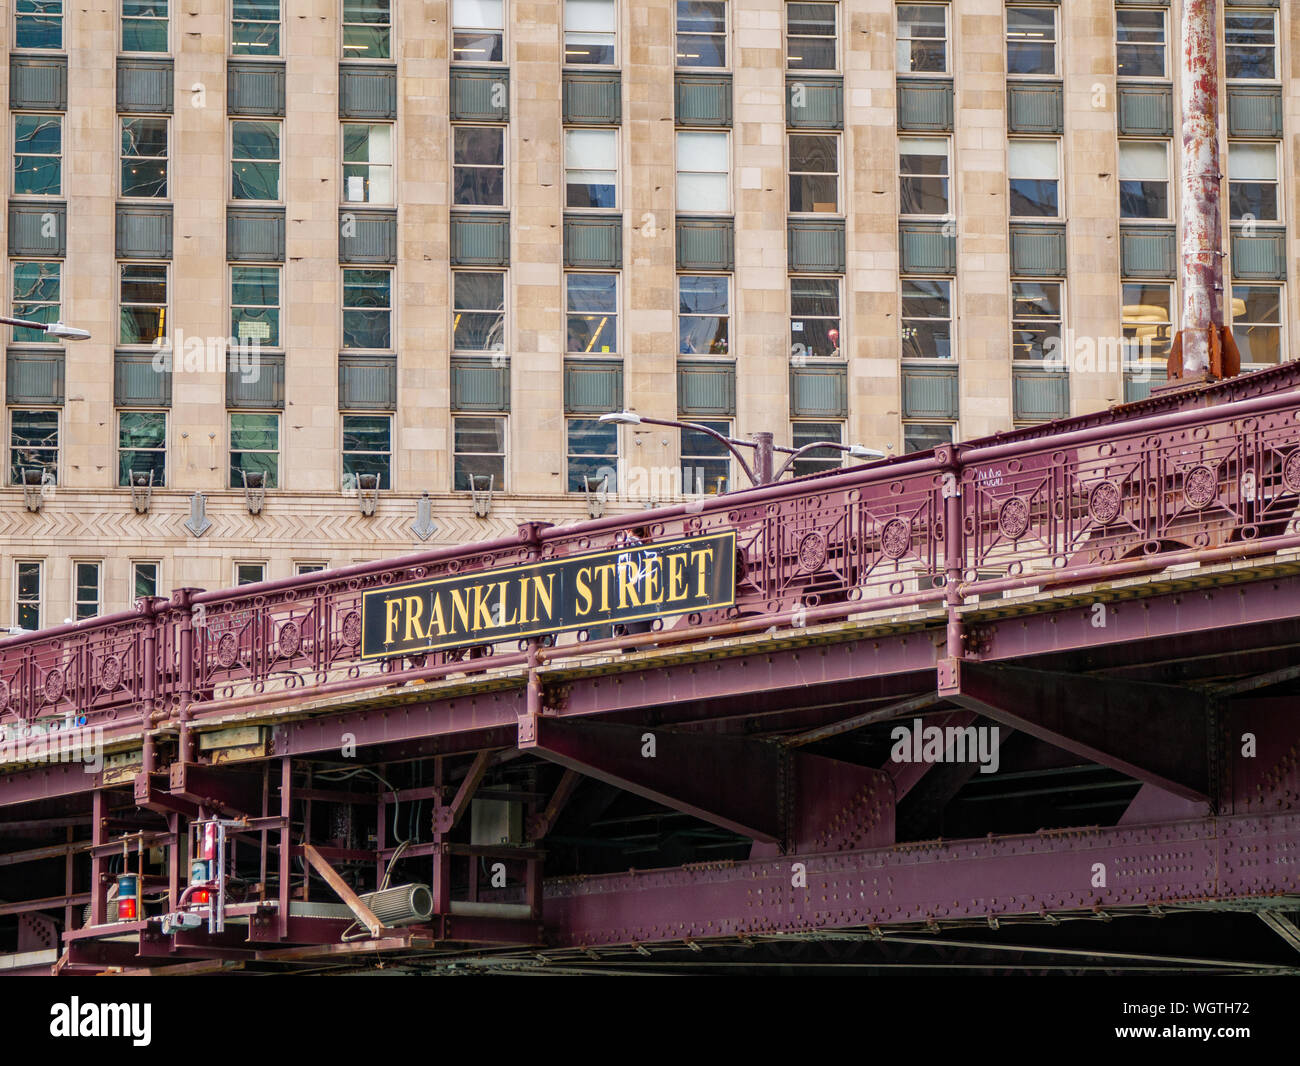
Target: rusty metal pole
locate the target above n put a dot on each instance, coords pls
(1202, 248)
(762, 457)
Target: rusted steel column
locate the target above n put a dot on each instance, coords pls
(1202, 249)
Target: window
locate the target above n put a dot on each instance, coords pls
(589, 32)
(367, 27)
(592, 313)
(819, 459)
(590, 168)
(255, 28)
(479, 165)
(479, 453)
(922, 38)
(1034, 168)
(38, 155)
(1147, 321)
(33, 447)
(1140, 43)
(249, 573)
(308, 568)
(703, 169)
(367, 163)
(85, 590)
(1035, 320)
(36, 297)
(367, 449)
(923, 175)
(255, 305)
(1143, 179)
(1252, 182)
(27, 603)
(593, 455)
(814, 173)
(703, 320)
(367, 309)
(1250, 39)
(706, 462)
(1031, 40)
(144, 25)
(143, 300)
(811, 34)
(141, 447)
(479, 310)
(144, 157)
(701, 33)
(477, 31)
(144, 579)
(815, 317)
(38, 24)
(1257, 323)
(254, 160)
(927, 318)
(254, 448)
(922, 436)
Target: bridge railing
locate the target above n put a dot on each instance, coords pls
(1046, 512)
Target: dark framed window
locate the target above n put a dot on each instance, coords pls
(38, 24)
(249, 573)
(703, 314)
(144, 158)
(255, 28)
(479, 311)
(591, 168)
(706, 462)
(144, 25)
(144, 579)
(701, 33)
(922, 436)
(814, 173)
(1144, 179)
(479, 165)
(478, 31)
(1031, 40)
(368, 450)
(255, 305)
(36, 297)
(811, 36)
(922, 38)
(478, 453)
(927, 318)
(1035, 320)
(254, 159)
(1147, 321)
(815, 317)
(38, 155)
(141, 447)
(27, 600)
(593, 455)
(142, 302)
(33, 447)
(85, 590)
(1257, 323)
(590, 32)
(368, 309)
(814, 462)
(254, 448)
(1250, 45)
(1253, 182)
(923, 175)
(592, 301)
(1034, 170)
(368, 163)
(1140, 42)
(367, 29)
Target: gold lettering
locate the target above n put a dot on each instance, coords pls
(414, 609)
(582, 579)
(435, 619)
(543, 593)
(604, 571)
(501, 585)
(653, 592)
(626, 588)
(704, 554)
(523, 600)
(676, 578)
(392, 608)
(460, 608)
(482, 609)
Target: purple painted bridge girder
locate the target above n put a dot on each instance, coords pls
(733, 782)
(1250, 858)
(1157, 734)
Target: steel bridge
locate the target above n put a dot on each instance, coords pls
(1113, 600)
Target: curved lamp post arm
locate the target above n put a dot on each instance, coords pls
(627, 418)
(796, 452)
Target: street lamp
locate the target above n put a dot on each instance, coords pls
(53, 329)
(761, 471)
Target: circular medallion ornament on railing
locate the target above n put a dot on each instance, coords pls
(54, 685)
(1103, 502)
(290, 639)
(227, 650)
(1291, 471)
(110, 673)
(895, 538)
(352, 628)
(1199, 486)
(1013, 518)
(812, 552)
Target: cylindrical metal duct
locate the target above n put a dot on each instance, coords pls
(402, 905)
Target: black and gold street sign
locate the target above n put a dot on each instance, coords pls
(664, 578)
